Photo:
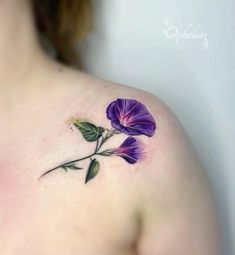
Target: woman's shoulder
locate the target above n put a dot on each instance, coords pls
(94, 95)
(135, 113)
(169, 178)
(91, 96)
(169, 182)
(83, 84)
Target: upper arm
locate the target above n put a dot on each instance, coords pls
(178, 215)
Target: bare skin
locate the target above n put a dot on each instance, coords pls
(162, 205)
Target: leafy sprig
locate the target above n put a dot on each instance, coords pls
(91, 133)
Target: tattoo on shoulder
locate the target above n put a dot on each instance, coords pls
(127, 116)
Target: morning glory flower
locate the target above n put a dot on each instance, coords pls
(131, 117)
(127, 116)
(129, 150)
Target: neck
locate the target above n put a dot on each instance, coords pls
(24, 67)
(19, 48)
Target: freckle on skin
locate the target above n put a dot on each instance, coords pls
(143, 156)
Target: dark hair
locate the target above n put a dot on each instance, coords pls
(63, 23)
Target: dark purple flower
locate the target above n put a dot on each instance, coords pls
(131, 117)
(129, 150)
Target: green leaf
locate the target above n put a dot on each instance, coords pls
(93, 170)
(65, 169)
(101, 129)
(73, 167)
(89, 131)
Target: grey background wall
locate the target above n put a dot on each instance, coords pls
(135, 42)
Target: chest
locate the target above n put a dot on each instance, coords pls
(61, 218)
(60, 214)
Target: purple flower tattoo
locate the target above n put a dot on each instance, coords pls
(127, 116)
(129, 150)
(131, 117)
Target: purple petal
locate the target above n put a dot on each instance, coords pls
(130, 141)
(116, 124)
(125, 105)
(129, 150)
(111, 111)
(146, 128)
(131, 117)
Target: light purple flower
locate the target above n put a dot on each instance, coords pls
(130, 150)
(131, 117)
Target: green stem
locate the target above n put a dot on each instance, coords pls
(96, 152)
(105, 139)
(67, 163)
(97, 145)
